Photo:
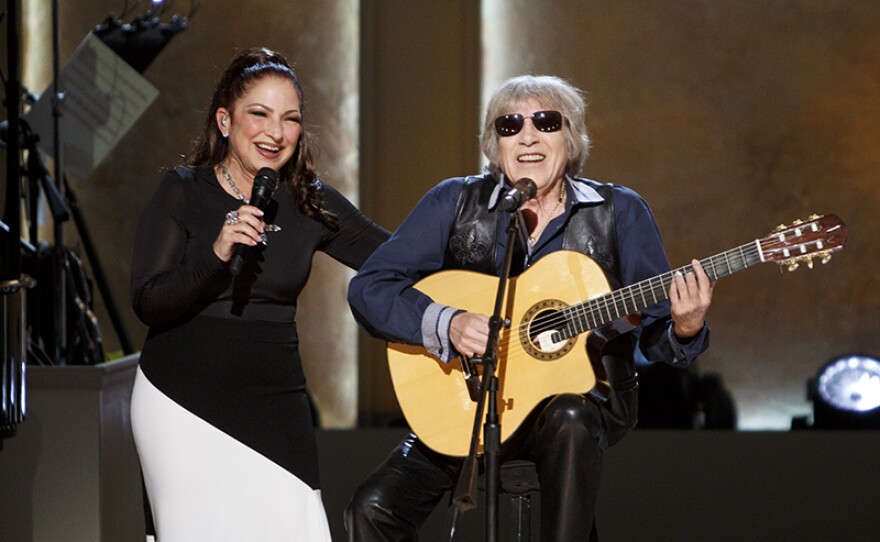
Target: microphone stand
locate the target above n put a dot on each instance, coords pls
(465, 488)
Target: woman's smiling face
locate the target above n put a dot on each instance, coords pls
(264, 126)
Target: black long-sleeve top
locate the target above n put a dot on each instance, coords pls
(175, 272)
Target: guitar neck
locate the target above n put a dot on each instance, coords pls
(600, 311)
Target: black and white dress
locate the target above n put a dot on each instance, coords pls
(221, 416)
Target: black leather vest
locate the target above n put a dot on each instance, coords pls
(473, 239)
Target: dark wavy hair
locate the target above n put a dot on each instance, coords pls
(211, 148)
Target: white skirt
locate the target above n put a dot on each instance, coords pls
(204, 485)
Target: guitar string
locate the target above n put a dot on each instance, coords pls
(597, 308)
(656, 288)
(757, 250)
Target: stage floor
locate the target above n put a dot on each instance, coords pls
(673, 485)
(71, 473)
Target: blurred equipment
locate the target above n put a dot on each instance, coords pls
(141, 40)
(674, 398)
(12, 282)
(59, 324)
(846, 393)
(12, 356)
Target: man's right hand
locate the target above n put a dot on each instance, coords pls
(468, 333)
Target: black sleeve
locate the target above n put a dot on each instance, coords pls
(168, 279)
(357, 236)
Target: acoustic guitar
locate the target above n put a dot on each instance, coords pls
(553, 308)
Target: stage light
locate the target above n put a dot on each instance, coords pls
(846, 393)
(141, 40)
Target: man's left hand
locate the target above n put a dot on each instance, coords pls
(690, 295)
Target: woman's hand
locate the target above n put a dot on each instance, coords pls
(243, 226)
(690, 295)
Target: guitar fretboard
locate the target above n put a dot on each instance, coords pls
(600, 311)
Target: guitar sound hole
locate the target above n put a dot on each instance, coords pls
(542, 322)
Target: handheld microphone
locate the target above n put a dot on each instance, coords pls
(522, 191)
(265, 184)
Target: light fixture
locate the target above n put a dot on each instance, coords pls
(846, 393)
(141, 40)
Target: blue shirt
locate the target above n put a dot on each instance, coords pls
(387, 306)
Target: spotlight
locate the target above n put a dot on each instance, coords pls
(141, 40)
(846, 393)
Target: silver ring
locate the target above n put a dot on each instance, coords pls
(232, 217)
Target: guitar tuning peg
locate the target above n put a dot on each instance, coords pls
(797, 222)
(780, 227)
(814, 216)
(810, 263)
(792, 266)
(826, 258)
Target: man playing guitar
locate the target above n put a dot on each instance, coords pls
(598, 237)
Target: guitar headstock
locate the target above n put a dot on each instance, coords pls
(802, 241)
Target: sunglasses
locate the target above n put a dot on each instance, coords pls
(544, 121)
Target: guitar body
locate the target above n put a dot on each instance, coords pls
(434, 396)
(555, 339)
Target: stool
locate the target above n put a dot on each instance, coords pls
(518, 479)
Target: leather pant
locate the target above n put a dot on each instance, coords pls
(566, 440)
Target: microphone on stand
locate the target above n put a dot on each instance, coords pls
(522, 191)
(265, 184)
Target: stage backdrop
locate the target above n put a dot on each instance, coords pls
(729, 117)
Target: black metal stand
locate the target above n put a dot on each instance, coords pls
(63, 204)
(12, 334)
(97, 270)
(466, 487)
(60, 314)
